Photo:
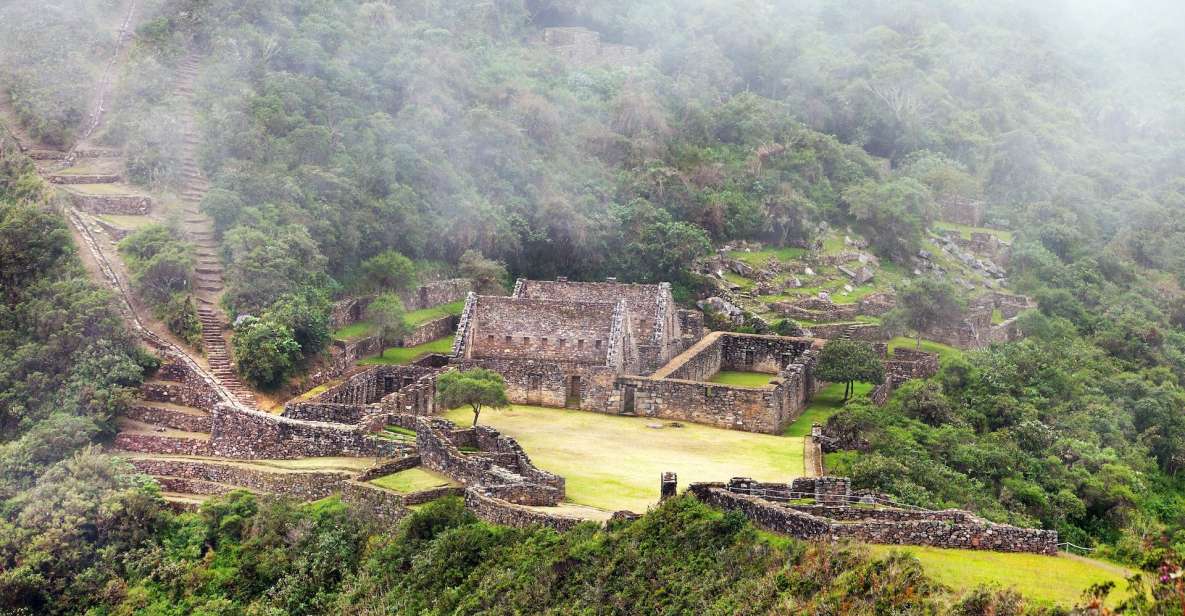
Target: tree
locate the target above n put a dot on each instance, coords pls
(477, 388)
(848, 361)
(388, 271)
(266, 352)
(488, 276)
(896, 213)
(922, 304)
(307, 315)
(388, 315)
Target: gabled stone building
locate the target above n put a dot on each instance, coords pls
(551, 352)
(653, 315)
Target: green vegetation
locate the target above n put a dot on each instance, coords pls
(758, 258)
(419, 317)
(1057, 580)
(161, 265)
(355, 331)
(945, 352)
(413, 480)
(614, 462)
(476, 388)
(406, 355)
(744, 379)
(826, 403)
(849, 362)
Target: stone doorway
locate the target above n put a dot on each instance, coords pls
(535, 389)
(572, 400)
(627, 399)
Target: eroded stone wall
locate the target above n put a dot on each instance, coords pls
(250, 435)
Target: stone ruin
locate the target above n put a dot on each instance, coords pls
(583, 47)
(976, 330)
(814, 508)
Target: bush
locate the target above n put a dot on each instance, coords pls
(266, 352)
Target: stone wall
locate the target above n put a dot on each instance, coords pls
(961, 211)
(170, 418)
(385, 505)
(497, 511)
(304, 485)
(432, 330)
(540, 330)
(543, 383)
(436, 293)
(868, 332)
(948, 529)
(156, 443)
(79, 178)
(501, 467)
(253, 435)
(111, 204)
(816, 309)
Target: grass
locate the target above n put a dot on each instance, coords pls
(738, 280)
(743, 379)
(758, 258)
(126, 221)
(944, 352)
(413, 480)
(1058, 580)
(613, 462)
(355, 331)
(997, 316)
(825, 404)
(103, 189)
(967, 230)
(419, 317)
(405, 355)
(362, 329)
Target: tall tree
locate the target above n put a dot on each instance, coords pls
(388, 315)
(388, 271)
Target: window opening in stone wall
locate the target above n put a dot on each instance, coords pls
(598, 344)
(508, 340)
(580, 344)
(526, 340)
(543, 341)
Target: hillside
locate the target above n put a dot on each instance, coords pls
(278, 196)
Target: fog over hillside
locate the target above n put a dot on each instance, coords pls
(930, 248)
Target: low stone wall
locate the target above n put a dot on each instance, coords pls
(304, 485)
(347, 353)
(386, 468)
(819, 310)
(152, 443)
(432, 330)
(868, 332)
(178, 384)
(949, 529)
(249, 435)
(170, 418)
(498, 511)
(116, 233)
(431, 494)
(111, 204)
(504, 469)
(192, 486)
(97, 178)
(385, 505)
(331, 412)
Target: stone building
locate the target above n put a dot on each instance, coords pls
(653, 315)
(551, 352)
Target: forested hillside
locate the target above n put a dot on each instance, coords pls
(337, 134)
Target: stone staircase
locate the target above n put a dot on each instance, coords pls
(199, 230)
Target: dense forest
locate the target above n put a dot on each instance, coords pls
(337, 132)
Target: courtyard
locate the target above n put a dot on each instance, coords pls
(614, 462)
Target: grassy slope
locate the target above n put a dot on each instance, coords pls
(405, 355)
(825, 404)
(1058, 580)
(362, 329)
(944, 352)
(413, 480)
(743, 379)
(614, 462)
(966, 230)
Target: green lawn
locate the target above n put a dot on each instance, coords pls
(413, 480)
(758, 258)
(997, 316)
(405, 355)
(355, 331)
(1058, 580)
(126, 221)
(614, 462)
(743, 379)
(419, 317)
(825, 404)
(103, 189)
(944, 351)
